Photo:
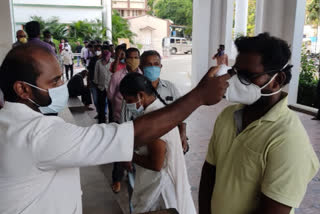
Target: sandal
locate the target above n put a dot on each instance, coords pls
(116, 187)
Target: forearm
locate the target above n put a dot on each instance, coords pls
(161, 121)
(207, 183)
(182, 130)
(143, 161)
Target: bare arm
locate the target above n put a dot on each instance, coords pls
(183, 135)
(208, 177)
(269, 206)
(154, 161)
(209, 91)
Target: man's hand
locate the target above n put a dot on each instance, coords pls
(211, 89)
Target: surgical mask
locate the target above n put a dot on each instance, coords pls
(237, 92)
(152, 72)
(23, 40)
(59, 98)
(136, 112)
(133, 63)
(98, 53)
(123, 61)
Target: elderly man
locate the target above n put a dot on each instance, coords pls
(21, 38)
(41, 155)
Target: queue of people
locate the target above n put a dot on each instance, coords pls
(259, 159)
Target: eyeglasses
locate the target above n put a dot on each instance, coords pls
(247, 77)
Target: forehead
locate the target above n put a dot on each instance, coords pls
(20, 33)
(249, 62)
(133, 54)
(153, 58)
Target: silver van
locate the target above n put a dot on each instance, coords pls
(177, 45)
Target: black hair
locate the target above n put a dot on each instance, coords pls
(90, 45)
(97, 46)
(105, 47)
(19, 65)
(121, 47)
(275, 52)
(106, 43)
(46, 33)
(134, 82)
(146, 54)
(130, 50)
(222, 47)
(33, 29)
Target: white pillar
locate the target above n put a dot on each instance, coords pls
(107, 15)
(285, 19)
(6, 23)
(212, 25)
(259, 16)
(241, 17)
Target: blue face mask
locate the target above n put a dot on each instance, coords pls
(152, 72)
(136, 112)
(123, 61)
(59, 98)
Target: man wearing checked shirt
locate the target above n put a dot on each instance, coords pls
(259, 159)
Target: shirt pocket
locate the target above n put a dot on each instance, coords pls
(249, 165)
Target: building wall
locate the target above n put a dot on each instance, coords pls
(130, 8)
(150, 39)
(68, 11)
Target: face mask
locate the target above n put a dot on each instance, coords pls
(23, 40)
(237, 92)
(123, 61)
(133, 64)
(59, 98)
(152, 72)
(98, 53)
(132, 107)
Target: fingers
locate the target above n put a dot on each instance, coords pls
(224, 77)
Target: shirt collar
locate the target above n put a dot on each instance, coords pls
(162, 84)
(19, 108)
(277, 110)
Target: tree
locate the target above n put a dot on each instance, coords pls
(251, 17)
(120, 28)
(57, 30)
(87, 30)
(313, 12)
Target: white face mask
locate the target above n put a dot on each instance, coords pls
(59, 98)
(98, 53)
(237, 92)
(136, 112)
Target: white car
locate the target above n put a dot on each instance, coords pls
(177, 45)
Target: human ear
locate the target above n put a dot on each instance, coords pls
(22, 90)
(280, 79)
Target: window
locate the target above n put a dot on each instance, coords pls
(184, 41)
(121, 13)
(172, 41)
(178, 41)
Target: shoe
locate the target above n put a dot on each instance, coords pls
(315, 118)
(116, 187)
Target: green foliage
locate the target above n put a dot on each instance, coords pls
(120, 28)
(179, 11)
(251, 17)
(308, 81)
(58, 30)
(313, 12)
(85, 30)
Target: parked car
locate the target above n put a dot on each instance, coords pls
(177, 45)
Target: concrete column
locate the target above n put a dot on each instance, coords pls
(285, 19)
(259, 16)
(212, 25)
(6, 23)
(241, 17)
(107, 15)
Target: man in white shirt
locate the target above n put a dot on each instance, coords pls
(41, 155)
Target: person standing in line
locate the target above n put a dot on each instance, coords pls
(21, 38)
(76, 87)
(83, 50)
(67, 60)
(120, 59)
(132, 65)
(33, 31)
(61, 45)
(161, 179)
(78, 51)
(102, 77)
(48, 39)
(221, 56)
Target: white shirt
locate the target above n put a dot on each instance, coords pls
(67, 57)
(102, 74)
(41, 156)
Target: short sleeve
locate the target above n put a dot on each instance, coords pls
(290, 167)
